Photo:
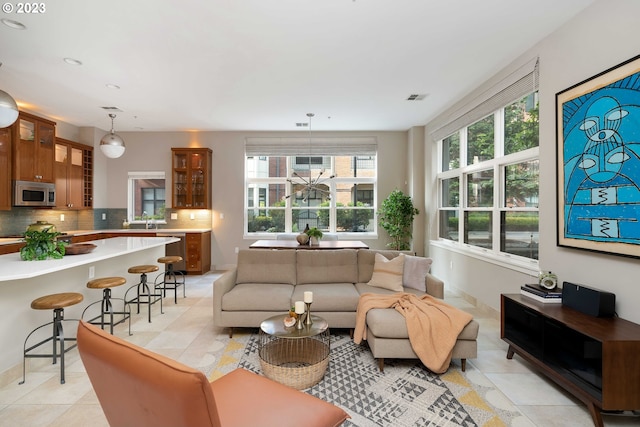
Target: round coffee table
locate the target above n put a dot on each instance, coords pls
(294, 357)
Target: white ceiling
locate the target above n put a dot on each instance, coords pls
(263, 64)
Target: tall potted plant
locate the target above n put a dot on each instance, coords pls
(396, 217)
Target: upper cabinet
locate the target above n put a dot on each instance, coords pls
(74, 175)
(191, 184)
(5, 168)
(33, 148)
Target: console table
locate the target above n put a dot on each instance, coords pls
(593, 358)
(323, 244)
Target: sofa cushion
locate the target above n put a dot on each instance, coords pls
(258, 297)
(389, 323)
(327, 266)
(266, 266)
(329, 296)
(387, 273)
(364, 288)
(366, 260)
(415, 271)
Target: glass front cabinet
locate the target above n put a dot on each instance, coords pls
(191, 185)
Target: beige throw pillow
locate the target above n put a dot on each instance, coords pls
(415, 270)
(387, 274)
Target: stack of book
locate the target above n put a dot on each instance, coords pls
(538, 293)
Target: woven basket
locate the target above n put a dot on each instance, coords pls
(298, 363)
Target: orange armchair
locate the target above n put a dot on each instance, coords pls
(137, 387)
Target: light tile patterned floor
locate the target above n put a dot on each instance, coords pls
(186, 332)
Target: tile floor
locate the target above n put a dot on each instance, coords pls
(186, 333)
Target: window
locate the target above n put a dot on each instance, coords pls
(341, 199)
(495, 192)
(146, 196)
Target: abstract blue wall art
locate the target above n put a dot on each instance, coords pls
(598, 149)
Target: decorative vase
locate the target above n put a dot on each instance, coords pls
(302, 238)
(42, 226)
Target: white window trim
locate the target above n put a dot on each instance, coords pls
(132, 176)
(332, 206)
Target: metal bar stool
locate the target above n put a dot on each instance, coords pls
(106, 307)
(57, 303)
(143, 291)
(171, 278)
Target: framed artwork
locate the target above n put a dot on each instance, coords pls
(598, 161)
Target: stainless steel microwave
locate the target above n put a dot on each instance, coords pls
(27, 193)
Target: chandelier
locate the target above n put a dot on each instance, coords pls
(311, 186)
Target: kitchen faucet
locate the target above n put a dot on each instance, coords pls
(145, 216)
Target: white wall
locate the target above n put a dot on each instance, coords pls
(151, 151)
(602, 36)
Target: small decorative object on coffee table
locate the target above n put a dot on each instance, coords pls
(294, 357)
(308, 299)
(300, 312)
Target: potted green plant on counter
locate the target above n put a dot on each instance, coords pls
(314, 236)
(42, 244)
(396, 217)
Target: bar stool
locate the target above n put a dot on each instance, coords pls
(143, 292)
(106, 307)
(57, 303)
(171, 278)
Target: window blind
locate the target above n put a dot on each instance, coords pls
(521, 82)
(319, 146)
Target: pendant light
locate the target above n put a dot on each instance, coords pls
(311, 186)
(112, 145)
(8, 109)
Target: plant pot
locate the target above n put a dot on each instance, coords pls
(314, 241)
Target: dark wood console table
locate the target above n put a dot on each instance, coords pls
(324, 244)
(595, 359)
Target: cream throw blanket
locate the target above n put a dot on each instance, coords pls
(432, 324)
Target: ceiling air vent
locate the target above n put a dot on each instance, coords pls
(112, 109)
(416, 97)
(302, 125)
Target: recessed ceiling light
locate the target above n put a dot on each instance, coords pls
(72, 61)
(14, 24)
(112, 86)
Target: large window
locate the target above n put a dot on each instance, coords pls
(146, 197)
(488, 183)
(333, 193)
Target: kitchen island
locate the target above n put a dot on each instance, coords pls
(23, 281)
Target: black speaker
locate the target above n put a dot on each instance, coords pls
(588, 300)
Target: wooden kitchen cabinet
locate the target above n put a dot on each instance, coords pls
(191, 181)
(73, 166)
(198, 252)
(5, 169)
(33, 148)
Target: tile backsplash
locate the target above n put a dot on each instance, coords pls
(16, 221)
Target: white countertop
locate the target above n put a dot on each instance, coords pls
(9, 240)
(14, 268)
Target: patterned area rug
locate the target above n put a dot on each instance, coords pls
(405, 394)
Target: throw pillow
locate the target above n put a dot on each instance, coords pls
(387, 274)
(415, 270)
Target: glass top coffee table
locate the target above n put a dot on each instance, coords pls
(294, 357)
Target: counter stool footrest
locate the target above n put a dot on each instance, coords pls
(58, 341)
(171, 281)
(108, 311)
(144, 298)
